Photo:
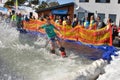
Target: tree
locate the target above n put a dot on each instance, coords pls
(12, 2)
(9, 3)
(43, 5)
(35, 2)
(47, 5)
(51, 4)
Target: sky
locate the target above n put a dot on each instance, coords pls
(61, 1)
(65, 1)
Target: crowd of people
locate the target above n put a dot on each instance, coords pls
(86, 22)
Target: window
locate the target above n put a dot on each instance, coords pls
(83, 0)
(102, 1)
(81, 16)
(102, 16)
(118, 1)
(113, 17)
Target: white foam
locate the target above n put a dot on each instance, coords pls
(112, 70)
(1, 45)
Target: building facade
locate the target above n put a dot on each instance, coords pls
(103, 8)
(61, 10)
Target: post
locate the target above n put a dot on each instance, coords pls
(110, 35)
(16, 6)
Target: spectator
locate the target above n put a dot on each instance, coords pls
(118, 37)
(109, 23)
(86, 23)
(26, 18)
(82, 21)
(99, 24)
(68, 20)
(60, 20)
(14, 17)
(64, 23)
(75, 22)
(92, 22)
(115, 31)
(19, 20)
(57, 19)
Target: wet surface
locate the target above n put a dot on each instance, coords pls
(83, 50)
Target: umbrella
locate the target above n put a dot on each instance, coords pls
(3, 10)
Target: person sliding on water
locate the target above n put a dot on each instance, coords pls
(49, 29)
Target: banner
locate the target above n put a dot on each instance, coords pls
(96, 37)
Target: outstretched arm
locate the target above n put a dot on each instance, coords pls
(61, 35)
(57, 30)
(39, 27)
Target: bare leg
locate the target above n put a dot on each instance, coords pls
(61, 49)
(58, 43)
(52, 47)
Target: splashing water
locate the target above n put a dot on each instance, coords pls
(22, 59)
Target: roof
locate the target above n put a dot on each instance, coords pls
(55, 7)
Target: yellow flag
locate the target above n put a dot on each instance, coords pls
(16, 5)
